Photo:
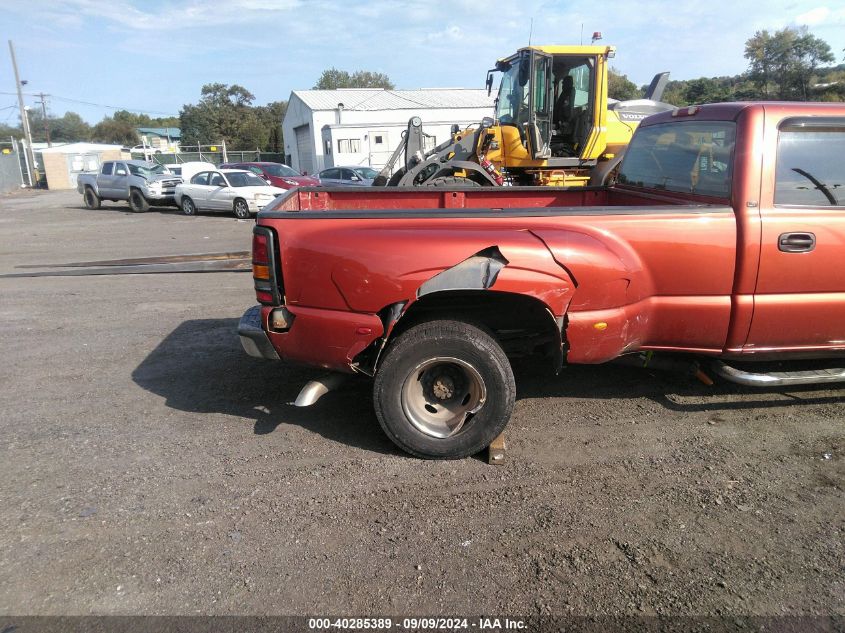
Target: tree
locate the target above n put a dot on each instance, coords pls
(221, 114)
(115, 130)
(144, 120)
(332, 79)
(620, 87)
(782, 63)
(68, 128)
(226, 113)
(7, 130)
(272, 115)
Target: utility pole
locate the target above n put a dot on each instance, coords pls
(44, 116)
(24, 118)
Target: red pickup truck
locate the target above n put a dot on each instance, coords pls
(723, 238)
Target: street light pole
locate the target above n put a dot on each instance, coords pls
(24, 118)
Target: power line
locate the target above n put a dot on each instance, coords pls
(96, 105)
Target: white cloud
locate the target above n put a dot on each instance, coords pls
(814, 16)
(452, 33)
(164, 17)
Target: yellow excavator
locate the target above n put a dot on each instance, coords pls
(553, 126)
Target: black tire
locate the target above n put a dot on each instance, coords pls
(395, 178)
(91, 199)
(137, 202)
(241, 209)
(413, 370)
(188, 207)
(451, 181)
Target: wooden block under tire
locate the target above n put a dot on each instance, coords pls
(497, 451)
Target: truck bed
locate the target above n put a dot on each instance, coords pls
(391, 199)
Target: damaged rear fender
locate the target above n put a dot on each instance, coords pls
(521, 300)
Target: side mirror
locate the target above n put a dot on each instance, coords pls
(355, 178)
(489, 83)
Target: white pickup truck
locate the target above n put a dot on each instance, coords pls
(140, 183)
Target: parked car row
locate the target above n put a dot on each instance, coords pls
(276, 174)
(241, 188)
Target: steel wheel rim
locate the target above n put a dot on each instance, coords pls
(441, 395)
(241, 210)
(188, 206)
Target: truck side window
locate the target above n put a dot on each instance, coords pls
(107, 168)
(120, 169)
(809, 168)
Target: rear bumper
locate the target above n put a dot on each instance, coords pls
(254, 339)
(330, 339)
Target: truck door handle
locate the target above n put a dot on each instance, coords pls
(796, 242)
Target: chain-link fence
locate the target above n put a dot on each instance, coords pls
(216, 154)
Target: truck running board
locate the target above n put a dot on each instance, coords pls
(779, 378)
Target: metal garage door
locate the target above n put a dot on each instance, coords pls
(304, 149)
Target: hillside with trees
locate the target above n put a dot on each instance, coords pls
(788, 64)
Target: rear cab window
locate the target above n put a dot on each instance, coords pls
(809, 167)
(107, 169)
(683, 156)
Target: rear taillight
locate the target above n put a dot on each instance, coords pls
(260, 253)
(263, 273)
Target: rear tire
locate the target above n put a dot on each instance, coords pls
(241, 209)
(137, 202)
(188, 207)
(91, 199)
(445, 390)
(395, 178)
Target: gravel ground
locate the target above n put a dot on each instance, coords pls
(148, 466)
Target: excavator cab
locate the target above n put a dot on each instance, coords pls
(548, 97)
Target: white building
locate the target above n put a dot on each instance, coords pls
(363, 126)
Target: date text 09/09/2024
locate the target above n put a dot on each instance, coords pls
(448, 624)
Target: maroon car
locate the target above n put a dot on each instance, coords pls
(277, 174)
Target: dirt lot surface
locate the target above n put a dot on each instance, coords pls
(148, 466)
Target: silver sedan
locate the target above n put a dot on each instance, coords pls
(234, 190)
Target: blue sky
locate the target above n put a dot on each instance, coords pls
(153, 56)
